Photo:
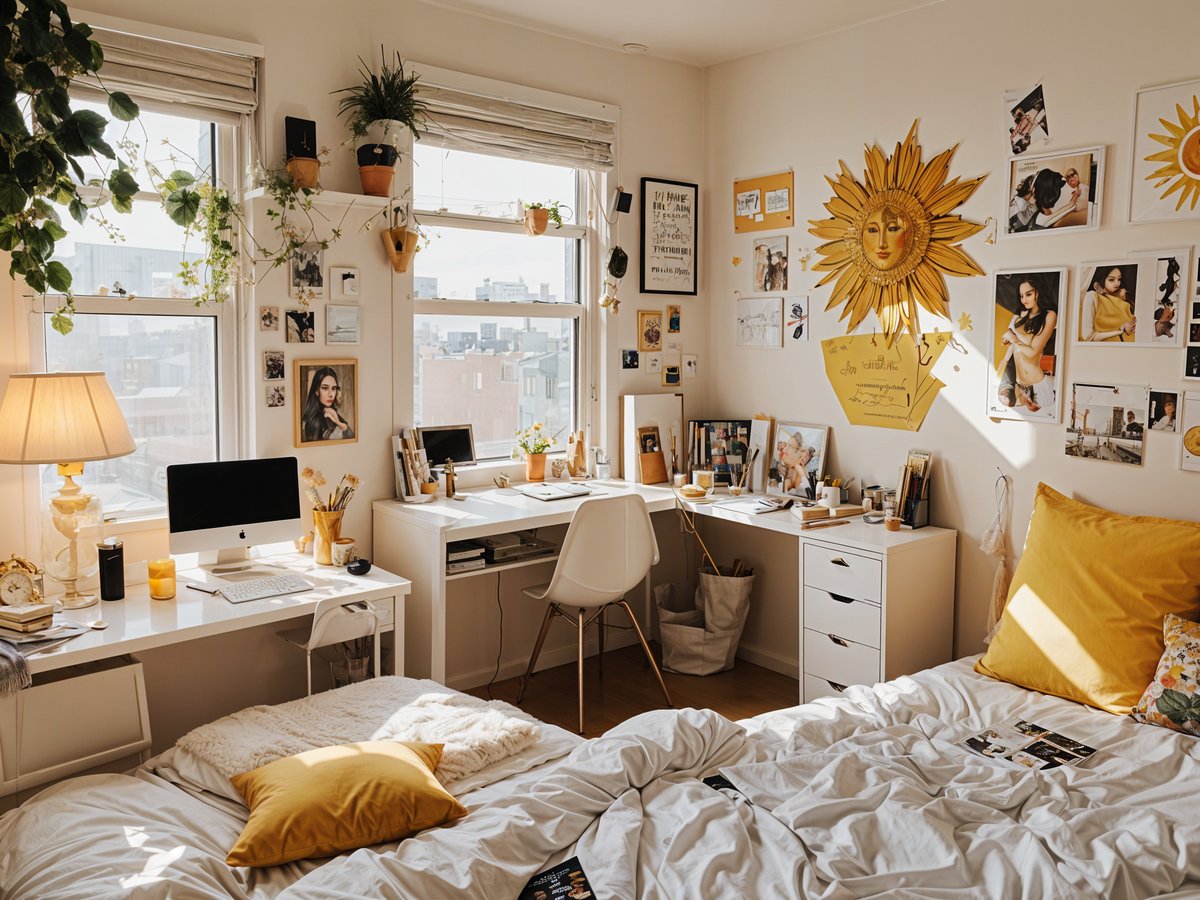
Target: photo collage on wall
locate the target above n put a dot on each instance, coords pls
(335, 323)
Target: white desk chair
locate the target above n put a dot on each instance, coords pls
(334, 620)
(608, 550)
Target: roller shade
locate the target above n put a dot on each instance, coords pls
(459, 120)
(177, 73)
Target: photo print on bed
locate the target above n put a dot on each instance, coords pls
(1107, 421)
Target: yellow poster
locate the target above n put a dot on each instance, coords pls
(888, 387)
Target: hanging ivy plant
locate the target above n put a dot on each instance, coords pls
(42, 141)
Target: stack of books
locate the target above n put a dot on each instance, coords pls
(26, 619)
(810, 516)
(463, 556)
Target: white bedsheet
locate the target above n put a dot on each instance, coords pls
(861, 796)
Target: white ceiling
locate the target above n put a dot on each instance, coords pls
(699, 32)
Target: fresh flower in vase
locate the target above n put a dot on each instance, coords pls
(532, 440)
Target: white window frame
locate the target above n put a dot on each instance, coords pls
(232, 140)
(590, 187)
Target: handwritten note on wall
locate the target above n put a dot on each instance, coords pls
(668, 237)
(881, 386)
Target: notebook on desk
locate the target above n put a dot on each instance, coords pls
(552, 491)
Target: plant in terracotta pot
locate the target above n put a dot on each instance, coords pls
(327, 511)
(532, 443)
(538, 216)
(380, 109)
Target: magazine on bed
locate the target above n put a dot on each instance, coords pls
(566, 880)
(1026, 745)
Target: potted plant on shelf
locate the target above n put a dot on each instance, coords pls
(532, 443)
(539, 215)
(380, 109)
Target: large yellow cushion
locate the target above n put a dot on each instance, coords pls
(1086, 606)
(322, 802)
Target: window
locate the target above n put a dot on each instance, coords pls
(170, 363)
(495, 308)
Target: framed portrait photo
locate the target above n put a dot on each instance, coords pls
(1164, 185)
(669, 229)
(325, 393)
(1137, 301)
(1055, 192)
(797, 459)
(1028, 306)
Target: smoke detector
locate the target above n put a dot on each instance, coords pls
(634, 47)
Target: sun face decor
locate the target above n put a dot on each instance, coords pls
(890, 241)
(1180, 169)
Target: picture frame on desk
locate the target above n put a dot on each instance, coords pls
(721, 446)
(797, 459)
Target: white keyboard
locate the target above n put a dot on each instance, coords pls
(258, 588)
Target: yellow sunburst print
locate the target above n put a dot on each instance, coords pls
(1180, 169)
(891, 239)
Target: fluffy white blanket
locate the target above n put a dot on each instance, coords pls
(476, 733)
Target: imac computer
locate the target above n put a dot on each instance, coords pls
(221, 509)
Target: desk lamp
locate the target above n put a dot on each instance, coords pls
(68, 418)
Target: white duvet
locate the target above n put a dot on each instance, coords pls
(862, 796)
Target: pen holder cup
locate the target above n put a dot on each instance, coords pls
(916, 513)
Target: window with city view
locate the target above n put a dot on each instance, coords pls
(158, 351)
(506, 365)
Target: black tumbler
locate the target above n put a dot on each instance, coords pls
(112, 569)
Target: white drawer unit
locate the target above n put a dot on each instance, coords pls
(874, 605)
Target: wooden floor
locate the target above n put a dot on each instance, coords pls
(628, 687)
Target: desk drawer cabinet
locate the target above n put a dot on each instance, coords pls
(875, 608)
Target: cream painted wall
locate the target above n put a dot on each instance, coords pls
(810, 105)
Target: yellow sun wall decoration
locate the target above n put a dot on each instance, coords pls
(890, 240)
(1180, 169)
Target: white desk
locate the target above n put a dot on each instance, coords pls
(139, 623)
(914, 571)
(92, 683)
(412, 538)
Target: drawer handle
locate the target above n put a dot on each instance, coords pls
(841, 642)
(840, 598)
(838, 561)
(836, 686)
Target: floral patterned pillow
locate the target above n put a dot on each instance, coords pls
(1173, 698)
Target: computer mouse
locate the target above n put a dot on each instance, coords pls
(359, 567)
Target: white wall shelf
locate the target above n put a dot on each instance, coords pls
(330, 198)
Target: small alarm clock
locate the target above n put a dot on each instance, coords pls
(20, 582)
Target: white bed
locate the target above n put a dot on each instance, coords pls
(863, 795)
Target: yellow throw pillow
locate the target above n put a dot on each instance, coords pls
(322, 802)
(1086, 606)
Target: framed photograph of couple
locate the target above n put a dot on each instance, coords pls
(798, 459)
(1058, 191)
(1026, 347)
(325, 393)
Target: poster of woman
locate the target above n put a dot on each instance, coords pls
(1023, 375)
(326, 392)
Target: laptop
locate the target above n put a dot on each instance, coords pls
(552, 491)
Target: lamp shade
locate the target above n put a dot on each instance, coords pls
(61, 417)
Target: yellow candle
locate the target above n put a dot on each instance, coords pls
(162, 579)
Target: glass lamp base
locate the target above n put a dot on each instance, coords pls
(79, 601)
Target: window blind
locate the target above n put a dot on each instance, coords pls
(177, 73)
(459, 120)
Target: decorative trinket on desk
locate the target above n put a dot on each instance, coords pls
(450, 478)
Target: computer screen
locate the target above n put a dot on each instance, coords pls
(442, 442)
(227, 507)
